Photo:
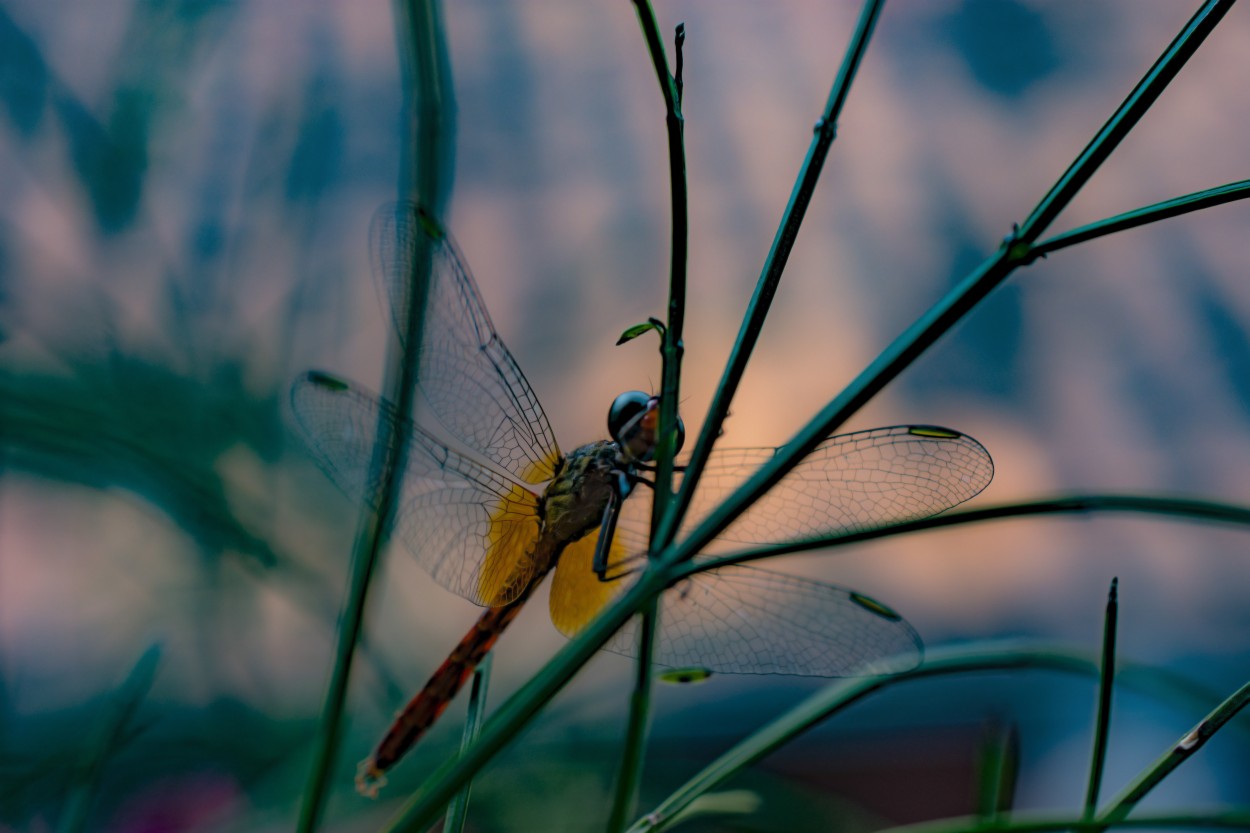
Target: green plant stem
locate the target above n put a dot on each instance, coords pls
(1149, 214)
(674, 122)
(427, 85)
(774, 264)
(459, 809)
(840, 695)
(1043, 823)
(629, 775)
(1014, 252)
(1181, 751)
(1186, 508)
(1102, 721)
(999, 765)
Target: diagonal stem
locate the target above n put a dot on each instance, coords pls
(427, 80)
(1197, 510)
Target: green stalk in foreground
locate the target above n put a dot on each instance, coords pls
(1194, 739)
(459, 809)
(629, 775)
(1184, 508)
(428, 96)
(109, 736)
(1102, 721)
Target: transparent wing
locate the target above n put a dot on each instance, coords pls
(850, 482)
(473, 530)
(470, 381)
(746, 620)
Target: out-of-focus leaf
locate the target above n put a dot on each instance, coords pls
(24, 78)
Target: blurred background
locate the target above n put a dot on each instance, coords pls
(184, 210)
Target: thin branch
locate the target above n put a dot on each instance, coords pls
(1184, 748)
(1196, 510)
(1142, 216)
(671, 89)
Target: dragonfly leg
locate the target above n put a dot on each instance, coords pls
(607, 531)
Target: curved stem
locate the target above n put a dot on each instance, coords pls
(842, 694)
(1196, 510)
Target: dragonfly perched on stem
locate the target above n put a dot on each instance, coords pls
(489, 504)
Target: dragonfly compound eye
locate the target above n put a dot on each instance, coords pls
(632, 424)
(624, 413)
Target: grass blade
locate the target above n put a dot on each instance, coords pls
(1102, 723)
(459, 809)
(109, 736)
(1194, 739)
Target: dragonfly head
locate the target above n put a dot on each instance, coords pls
(634, 421)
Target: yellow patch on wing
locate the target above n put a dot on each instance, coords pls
(577, 594)
(511, 539)
(544, 469)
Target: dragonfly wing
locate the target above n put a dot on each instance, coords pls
(746, 620)
(472, 384)
(848, 483)
(472, 529)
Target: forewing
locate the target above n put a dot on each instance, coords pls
(473, 530)
(470, 381)
(746, 620)
(850, 482)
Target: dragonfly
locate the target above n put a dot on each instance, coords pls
(489, 504)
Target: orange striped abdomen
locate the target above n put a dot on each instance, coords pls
(422, 710)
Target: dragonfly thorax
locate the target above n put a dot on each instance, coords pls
(574, 502)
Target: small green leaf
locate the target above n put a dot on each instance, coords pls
(326, 381)
(684, 676)
(430, 225)
(873, 606)
(933, 431)
(638, 329)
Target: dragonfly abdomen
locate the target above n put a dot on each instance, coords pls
(429, 704)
